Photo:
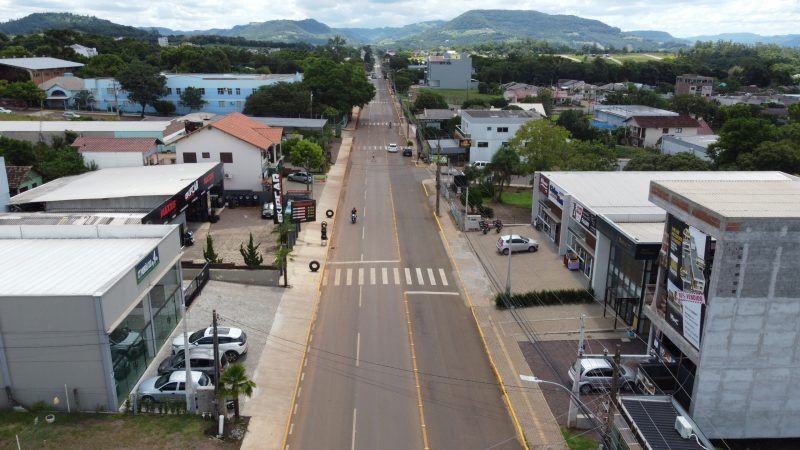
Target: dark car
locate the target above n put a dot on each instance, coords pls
(300, 176)
(407, 151)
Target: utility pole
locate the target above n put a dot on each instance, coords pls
(438, 175)
(311, 107)
(508, 274)
(466, 206)
(613, 400)
(572, 418)
(216, 356)
(191, 407)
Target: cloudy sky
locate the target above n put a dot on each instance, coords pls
(679, 17)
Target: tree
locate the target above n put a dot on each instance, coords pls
(738, 136)
(105, 65)
(281, 261)
(280, 100)
(781, 155)
(252, 257)
(794, 112)
(26, 91)
(196, 59)
(83, 99)
(338, 85)
(192, 98)
(593, 156)
(504, 164)
(545, 97)
(143, 82)
(337, 48)
(541, 145)
(652, 161)
(234, 383)
(577, 123)
(15, 51)
(429, 100)
(209, 254)
(164, 107)
(304, 153)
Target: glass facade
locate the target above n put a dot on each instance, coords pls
(137, 339)
(630, 282)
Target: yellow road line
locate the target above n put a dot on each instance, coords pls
(416, 375)
(506, 399)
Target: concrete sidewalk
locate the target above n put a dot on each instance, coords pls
(279, 366)
(539, 426)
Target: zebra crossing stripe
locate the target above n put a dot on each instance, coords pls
(420, 280)
(349, 276)
(431, 277)
(360, 276)
(385, 275)
(396, 275)
(337, 277)
(408, 275)
(443, 277)
(371, 275)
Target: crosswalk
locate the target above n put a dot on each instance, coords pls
(372, 147)
(374, 124)
(396, 276)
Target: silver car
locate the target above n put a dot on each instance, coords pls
(171, 386)
(516, 243)
(597, 374)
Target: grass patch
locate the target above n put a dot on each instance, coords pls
(84, 430)
(576, 441)
(522, 199)
(457, 96)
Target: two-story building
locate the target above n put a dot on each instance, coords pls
(694, 84)
(449, 70)
(485, 131)
(647, 131)
(615, 116)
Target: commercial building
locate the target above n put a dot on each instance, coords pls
(606, 224)
(163, 194)
(450, 70)
(484, 131)
(727, 302)
(694, 84)
(696, 145)
(37, 69)
(83, 310)
(36, 131)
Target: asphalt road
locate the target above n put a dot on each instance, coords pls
(389, 284)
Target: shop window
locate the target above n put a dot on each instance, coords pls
(190, 157)
(226, 157)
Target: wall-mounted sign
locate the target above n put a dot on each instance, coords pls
(146, 265)
(544, 185)
(585, 218)
(555, 194)
(176, 204)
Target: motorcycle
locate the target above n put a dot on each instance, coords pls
(484, 226)
(353, 218)
(188, 239)
(498, 225)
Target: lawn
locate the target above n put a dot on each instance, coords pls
(519, 199)
(578, 441)
(96, 431)
(457, 96)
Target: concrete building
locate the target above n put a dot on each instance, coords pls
(450, 70)
(483, 132)
(83, 310)
(87, 52)
(37, 69)
(694, 84)
(163, 41)
(647, 131)
(696, 145)
(61, 91)
(727, 302)
(614, 231)
(614, 116)
(108, 152)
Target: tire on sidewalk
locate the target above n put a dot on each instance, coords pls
(313, 266)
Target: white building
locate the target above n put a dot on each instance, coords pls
(647, 131)
(696, 145)
(108, 152)
(486, 131)
(88, 52)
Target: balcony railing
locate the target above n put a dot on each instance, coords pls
(461, 134)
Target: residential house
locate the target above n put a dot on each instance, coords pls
(37, 69)
(61, 91)
(87, 52)
(516, 92)
(108, 152)
(484, 131)
(22, 178)
(436, 118)
(694, 84)
(248, 149)
(450, 70)
(614, 116)
(536, 107)
(696, 145)
(647, 131)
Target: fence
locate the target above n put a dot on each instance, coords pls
(194, 287)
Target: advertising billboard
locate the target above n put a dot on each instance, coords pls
(686, 279)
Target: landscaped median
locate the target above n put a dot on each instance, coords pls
(544, 298)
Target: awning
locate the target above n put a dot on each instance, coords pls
(550, 213)
(58, 97)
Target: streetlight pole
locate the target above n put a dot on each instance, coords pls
(540, 381)
(508, 274)
(438, 175)
(311, 106)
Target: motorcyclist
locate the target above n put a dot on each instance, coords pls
(353, 214)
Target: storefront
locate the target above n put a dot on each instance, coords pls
(582, 237)
(549, 210)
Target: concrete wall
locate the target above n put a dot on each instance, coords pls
(479, 132)
(747, 379)
(105, 160)
(245, 171)
(452, 74)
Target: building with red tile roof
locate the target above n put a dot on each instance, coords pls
(107, 152)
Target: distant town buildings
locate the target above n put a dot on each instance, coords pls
(163, 41)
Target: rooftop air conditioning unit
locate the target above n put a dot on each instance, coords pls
(683, 427)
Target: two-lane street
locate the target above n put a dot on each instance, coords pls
(395, 360)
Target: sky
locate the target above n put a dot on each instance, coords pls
(681, 18)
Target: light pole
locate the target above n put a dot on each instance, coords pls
(311, 106)
(508, 274)
(438, 174)
(574, 400)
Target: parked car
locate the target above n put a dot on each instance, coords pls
(171, 386)
(268, 210)
(392, 148)
(517, 243)
(232, 341)
(71, 115)
(4, 111)
(597, 374)
(407, 151)
(125, 341)
(200, 359)
(480, 164)
(301, 177)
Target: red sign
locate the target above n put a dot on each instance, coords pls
(544, 185)
(168, 209)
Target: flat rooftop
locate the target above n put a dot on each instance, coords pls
(69, 260)
(742, 199)
(38, 63)
(117, 182)
(46, 218)
(82, 126)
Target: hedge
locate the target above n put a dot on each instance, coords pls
(545, 298)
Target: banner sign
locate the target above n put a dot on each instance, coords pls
(544, 185)
(277, 197)
(178, 203)
(146, 265)
(584, 217)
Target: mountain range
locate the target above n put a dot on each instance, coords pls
(470, 28)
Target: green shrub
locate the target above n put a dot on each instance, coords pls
(486, 211)
(544, 298)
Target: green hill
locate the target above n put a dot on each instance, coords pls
(38, 22)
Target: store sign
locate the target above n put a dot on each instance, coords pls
(544, 185)
(586, 218)
(146, 265)
(686, 279)
(556, 194)
(178, 203)
(277, 195)
(304, 210)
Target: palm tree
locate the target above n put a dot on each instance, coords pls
(234, 382)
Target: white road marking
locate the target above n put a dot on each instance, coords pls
(302, 376)
(431, 293)
(358, 347)
(419, 277)
(396, 275)
(353, 445)
(291, 428)
(379, 261)
(385, 275)
(363, 230)
(349, 276)
(408, 275)
(295, 410)
(337, 278)
(372, 275)
(431, 277)
(360, 276)
(443, 277)
(359, 296)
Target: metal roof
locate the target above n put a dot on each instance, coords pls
(742, 199)
(68, 260)
(643, 232)
(289, 122)
(117, 182)
(500, 114)
(633, 110)
(44, 218)
(38, 63)
(653, 419)
(700, 140)
(44, 126)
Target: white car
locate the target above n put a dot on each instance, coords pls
(517, 244)
(71, 115)
(4, 110)
(392, 148)
(232, 341)
(171, 386)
